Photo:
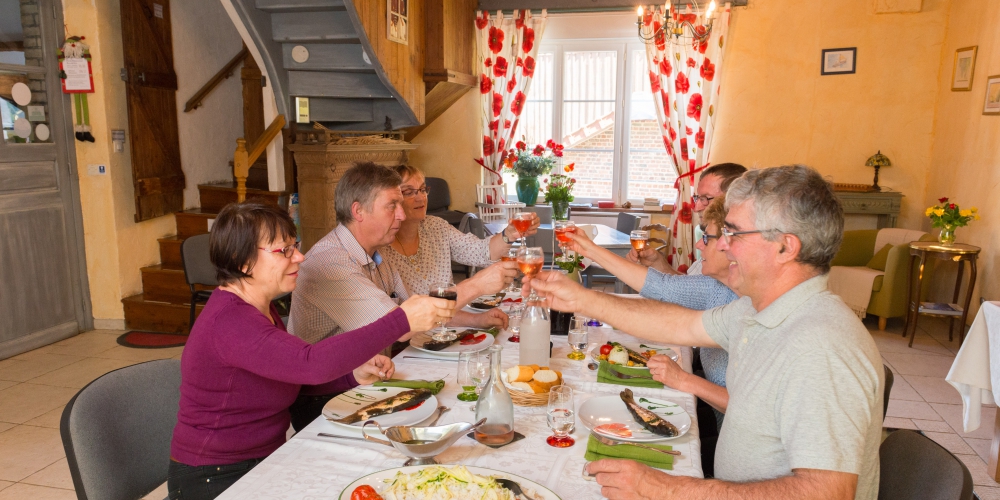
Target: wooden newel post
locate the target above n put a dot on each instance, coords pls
(241, 169)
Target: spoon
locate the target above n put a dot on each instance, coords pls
(513, 487)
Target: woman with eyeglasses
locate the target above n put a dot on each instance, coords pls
(241, 370)
(425, 247)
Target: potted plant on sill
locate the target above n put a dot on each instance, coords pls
(949, 216)
(529, 165)
(559, 192)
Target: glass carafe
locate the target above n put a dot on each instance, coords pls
(495, 406)
(535, 334)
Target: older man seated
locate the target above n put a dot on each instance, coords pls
(804, 417)
(345, 284)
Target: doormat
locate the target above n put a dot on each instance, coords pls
(152, 340)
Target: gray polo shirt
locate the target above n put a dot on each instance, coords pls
(805, 387)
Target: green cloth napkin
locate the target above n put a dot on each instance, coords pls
(604, 375)
(434, 386)
(597, 451)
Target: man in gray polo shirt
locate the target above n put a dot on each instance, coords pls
(805, 378)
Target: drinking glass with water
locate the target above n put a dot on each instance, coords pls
(561, 416)
(577, 337)
(514, 321)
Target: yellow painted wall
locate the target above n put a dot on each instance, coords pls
(965, 164)
(448, 147)
(777, 108)
(116, 246)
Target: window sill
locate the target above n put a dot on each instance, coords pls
(577, 210)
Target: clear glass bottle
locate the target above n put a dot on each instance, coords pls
(536, 330)
(495, 406)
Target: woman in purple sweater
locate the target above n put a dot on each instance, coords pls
(241, 370)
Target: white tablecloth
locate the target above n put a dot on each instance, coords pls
(975, 373)
(312, 467)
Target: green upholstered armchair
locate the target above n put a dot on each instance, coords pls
(888, 291)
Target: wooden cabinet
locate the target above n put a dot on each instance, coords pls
(884, 204)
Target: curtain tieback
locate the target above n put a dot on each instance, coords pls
(677, 183)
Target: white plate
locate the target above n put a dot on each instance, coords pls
(376, 480)
(635, 346)
(364, 395)
(600, 410)
(418, 341)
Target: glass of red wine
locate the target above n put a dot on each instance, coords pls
(448, 291)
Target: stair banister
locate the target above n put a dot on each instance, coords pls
(243, 158)
(195, 101)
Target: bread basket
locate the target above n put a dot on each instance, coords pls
(522, 398)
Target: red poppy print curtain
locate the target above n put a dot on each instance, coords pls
(507, 48)
(684, 76)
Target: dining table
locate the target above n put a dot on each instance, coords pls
(607, 237)
(315, 467)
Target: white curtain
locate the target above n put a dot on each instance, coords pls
(684, 76)
(507, 49)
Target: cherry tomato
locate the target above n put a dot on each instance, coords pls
(606, 349)
(365, 492)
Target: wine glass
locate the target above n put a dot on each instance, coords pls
(577, 337)
(514, 321)
(473, 371)
(530, 260)
(522, 222)
(561, 416)
(509, 256)
(562, 230)
(639, 239)
(447, 291)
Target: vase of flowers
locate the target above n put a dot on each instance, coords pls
(948, 216)
(559, 192)
(529, 165)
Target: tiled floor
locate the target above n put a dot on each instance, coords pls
(36, 385)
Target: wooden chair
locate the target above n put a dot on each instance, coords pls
(491, 200)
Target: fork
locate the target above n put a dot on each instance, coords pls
(627, 377)
(612, 442)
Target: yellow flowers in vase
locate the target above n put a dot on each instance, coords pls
(949, 216)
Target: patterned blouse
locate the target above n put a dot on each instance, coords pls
(440, 244)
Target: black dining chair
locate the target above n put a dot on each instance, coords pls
(885, 393)
(914, 467)
(198, 270)
(117, 430)
(626, 223)
(439, 201)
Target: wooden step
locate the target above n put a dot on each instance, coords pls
(155, 316)
(217, 195)
(193, 222)
(300, 5)
(165, 284)
(326, 84)
(170, 251)
(324, 26)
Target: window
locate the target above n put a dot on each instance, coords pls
(594, 98)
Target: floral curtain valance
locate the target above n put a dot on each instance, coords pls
(684, 76)
(507, 49)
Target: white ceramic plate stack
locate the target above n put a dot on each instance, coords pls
(600, 410)
(378, 479)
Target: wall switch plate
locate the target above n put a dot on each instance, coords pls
(97, 169)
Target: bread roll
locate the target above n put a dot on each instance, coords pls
(522, 386)
(538, 388)
(535, 368)
(546, 379)
(519, 374)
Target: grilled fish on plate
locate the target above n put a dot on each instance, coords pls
(651, 421)
(399, 402)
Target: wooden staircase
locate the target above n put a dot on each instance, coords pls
(164, 304)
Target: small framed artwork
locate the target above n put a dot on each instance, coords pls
(965, 65)
(397, 15)
(839, 61)
(992, 105)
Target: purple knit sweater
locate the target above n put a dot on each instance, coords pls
(240, 373)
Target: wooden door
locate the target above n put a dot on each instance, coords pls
(43, 282)
(151, 86)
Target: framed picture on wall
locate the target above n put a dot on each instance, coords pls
(839, 61)
(397, 17)
(992, 105)
(965, 65)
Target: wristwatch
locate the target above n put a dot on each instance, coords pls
(503, 236)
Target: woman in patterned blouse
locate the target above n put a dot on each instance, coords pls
(425, 247)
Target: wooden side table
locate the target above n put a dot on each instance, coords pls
(957, 253)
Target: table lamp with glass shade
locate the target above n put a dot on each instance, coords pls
(877, 160)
